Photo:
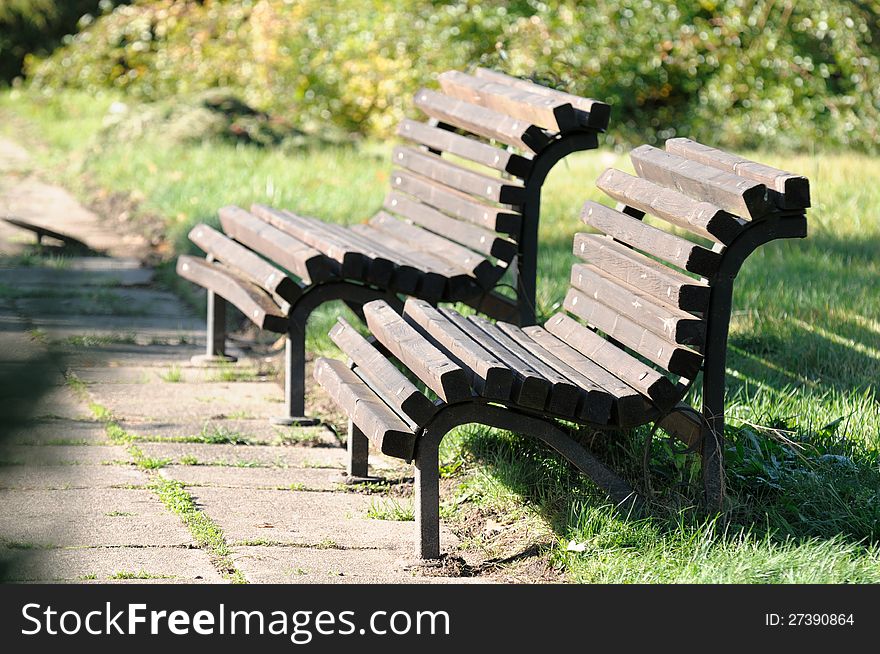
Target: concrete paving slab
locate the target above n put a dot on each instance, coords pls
(303, 565)
(99, 301)
(56, 455)
(110, 563)
(250, 516)
(191, 402)
(255, 431)
(316, 479)
(92, 517)
(69, 477)
(134, 276)
(59, 432)
(57, 402)
(249, 455)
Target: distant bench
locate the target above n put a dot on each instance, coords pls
(463, 211)
(646, 311)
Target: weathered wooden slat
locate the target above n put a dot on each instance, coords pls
(674, 324)
(380, 262)
(456, 204)
(668, 247)
(564, 396)
(471, 236)
(432, 271)
(474, 265)
(492, 303)
(702, 218)
(538, 109)
(302, 260)
(248, 298)
(405, 277)
(685, 426)
(597, 112)
(481, 121)
(491, 378)
(435, 369)
(462, 179)
(471, 149)
(629, 407)
(737, 195)
(658, 349)
(595, 403)
(634, 268)
(790, 191)
(655, 386)
(353, 264)
(244, 262)
(383, 376)
(384, 428)
(530, 389)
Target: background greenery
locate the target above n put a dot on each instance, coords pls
(744, 73)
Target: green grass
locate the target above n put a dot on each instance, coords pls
(173, 375)
(802, 404)
(391, 509)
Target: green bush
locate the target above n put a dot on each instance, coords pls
(37, 26)
(741, 73)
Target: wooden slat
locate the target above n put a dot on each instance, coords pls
(381, 261)
(457, 204)
(668, 247)
(598, 113)
(466, 147)
(674, 358)
(564, 397)
(595, 403)
(494, 305)
(634, 268)
(538, 109)
(481, 121)
(432, 272)
(462, 179)
(685, 427)
(383, 376)
(652, 384)
(302, 260)
(471, 236)
(674, 324)
(247, 264)
(737, 195)
(702, 218)
(248, 298)
(484, 271)
(353, 264)
(405, 277)
(491, 378)
(384, 428)
(530, 389)
(790, 191)
(629, 407)
(435, 369)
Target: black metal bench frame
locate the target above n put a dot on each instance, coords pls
(702, 431)
(550, 149)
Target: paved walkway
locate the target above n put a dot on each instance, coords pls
(134, 465)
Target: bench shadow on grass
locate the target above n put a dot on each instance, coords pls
(815, 336)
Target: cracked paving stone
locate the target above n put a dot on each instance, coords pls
(68, 477)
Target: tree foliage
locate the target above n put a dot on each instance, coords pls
(741, 73)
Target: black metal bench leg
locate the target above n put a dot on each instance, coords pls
(428, 497)
(712, 454)
(215, 350)
(294, 376)
(358, 453)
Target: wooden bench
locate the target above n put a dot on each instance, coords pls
(462, 211)
(647, 310)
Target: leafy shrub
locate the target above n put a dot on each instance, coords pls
(37, 26)
(741, 73)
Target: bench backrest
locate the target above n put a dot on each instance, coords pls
(641, 304)
(471, 172)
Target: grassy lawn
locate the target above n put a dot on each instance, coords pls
(804, 417)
